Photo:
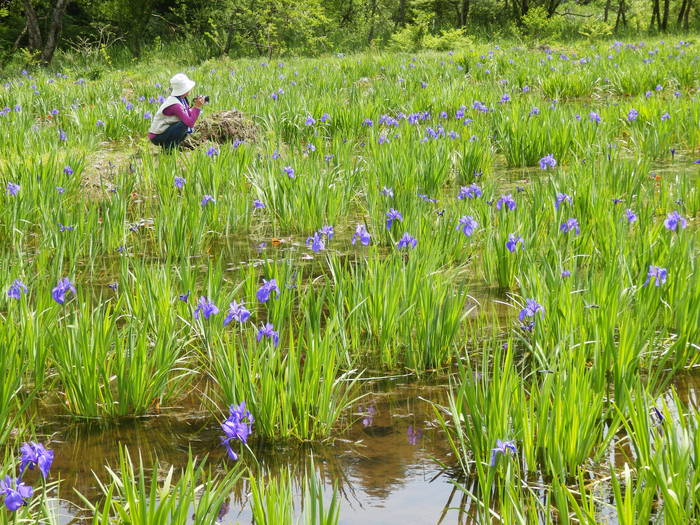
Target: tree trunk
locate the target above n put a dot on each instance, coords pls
(688, 8)
(620, 15)
(607, 11)
(54, 31)
(681, 11)
(552, 7)
(35, 40)
(464, 13)
(664, 20)
(372, 13)
(400, 13)
(655, 15)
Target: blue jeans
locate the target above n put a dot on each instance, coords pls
(171, 137)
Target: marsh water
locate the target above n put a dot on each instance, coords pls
(386, 463)
(385, 460)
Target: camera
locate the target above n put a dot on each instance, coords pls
(204, 97)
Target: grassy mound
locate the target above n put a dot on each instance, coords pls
(222, 127)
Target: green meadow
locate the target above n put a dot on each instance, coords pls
(520, 223)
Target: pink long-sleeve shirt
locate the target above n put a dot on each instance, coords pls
(188, 117)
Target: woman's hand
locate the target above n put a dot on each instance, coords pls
(198, 102)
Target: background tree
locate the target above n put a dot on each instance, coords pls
(277, 27)
(44, 42)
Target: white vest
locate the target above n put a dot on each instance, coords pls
(162, 122)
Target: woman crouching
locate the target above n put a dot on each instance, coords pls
(175, 119)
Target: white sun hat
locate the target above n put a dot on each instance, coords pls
(180, 84)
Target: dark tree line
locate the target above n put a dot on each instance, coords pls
(269, 27)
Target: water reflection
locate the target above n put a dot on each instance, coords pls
(383, 465)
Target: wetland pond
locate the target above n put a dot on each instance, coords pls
(386, 465)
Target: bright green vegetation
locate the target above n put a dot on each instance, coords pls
(589, 380)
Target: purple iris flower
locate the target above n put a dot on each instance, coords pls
(179, 182)
(548, 161)
(315, 242)
(268, 331)
(63, 228)
(630, 215)
(467, 225)
(12, 188)
(16, 289)
(387, 192)
(362, 234)
(674, 221)
(391, 216)
(327, 230)
(59, 292)
(258, 205)
(68, 170)
(237, 312)
(289, 171)
(594, 117)
(35, 454)
(513, 241)
(263, 293)
(310, 121)
(502, 447)
(665, 116)
(535, 111)
(414, 435)
(406, 241)
(213, 151)
(184, 297)
(561, 198)
(472, 191)
(369, 418)
(207, 199)
(205, 308)
(16, 493)
(236, 427)
(658, 274)
(571, 224)
(368, 122)
(531, 308)
(565, 273)
(506, 200)
(632, 115)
